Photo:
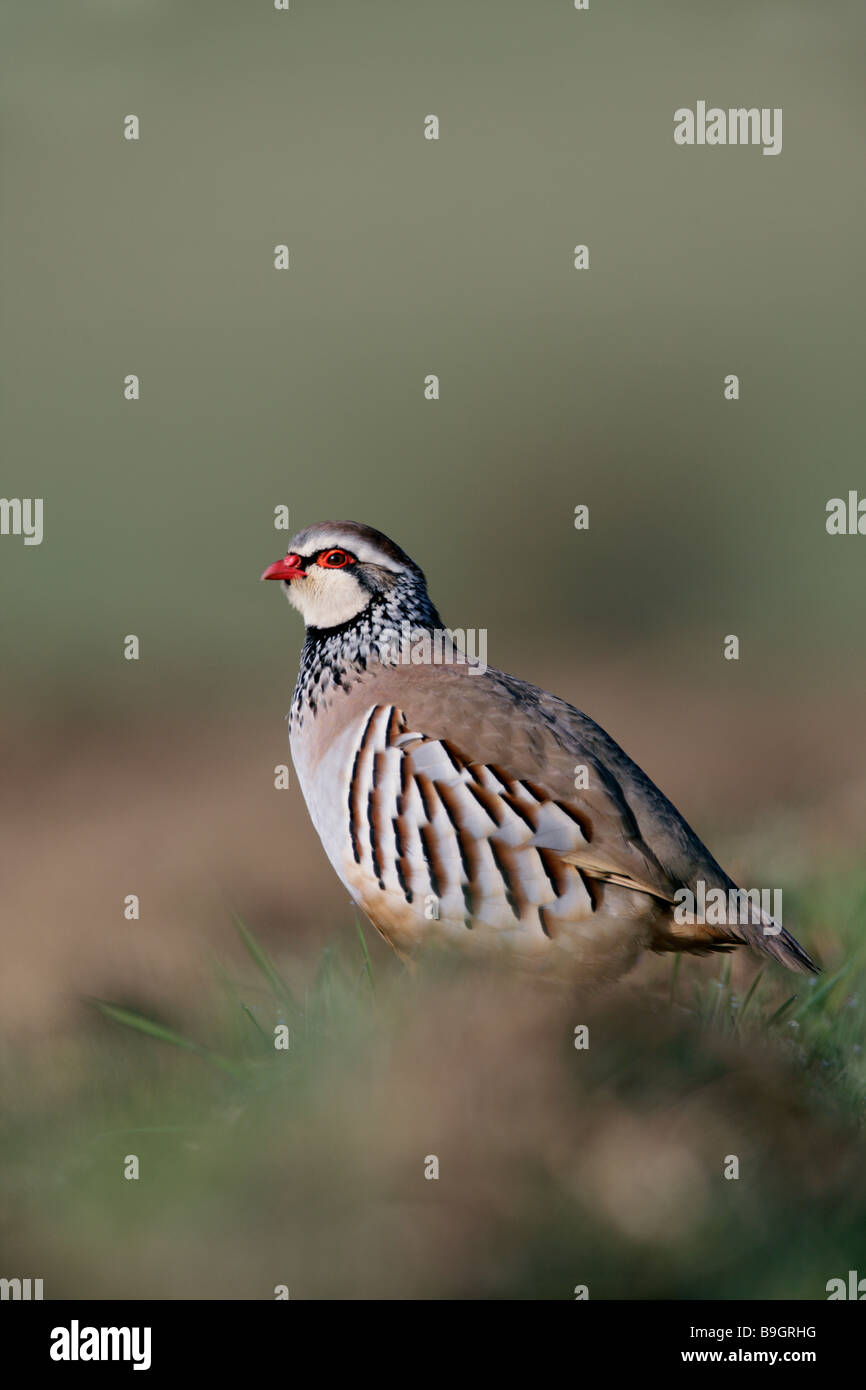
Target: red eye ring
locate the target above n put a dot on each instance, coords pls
(335, 559)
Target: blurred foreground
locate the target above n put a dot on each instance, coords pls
(557, 1167)
(305, 1168)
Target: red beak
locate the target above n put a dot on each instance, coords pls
(288, 568)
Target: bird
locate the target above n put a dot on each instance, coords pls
(466, 809)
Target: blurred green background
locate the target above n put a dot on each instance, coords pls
(411, 257)
(306, 388)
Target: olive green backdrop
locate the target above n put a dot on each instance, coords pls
(411, 257)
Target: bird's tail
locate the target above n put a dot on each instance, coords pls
(766, 934)
(749, 924)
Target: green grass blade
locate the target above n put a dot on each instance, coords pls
(368, 964)
(140, 1023)
(728, 1014)
(774, 1017)
(750, 993)
(266, 965)
(255, 1022)
(818, 995)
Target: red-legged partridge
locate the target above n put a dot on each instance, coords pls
(445, 794)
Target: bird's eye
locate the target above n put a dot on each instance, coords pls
(334, 559)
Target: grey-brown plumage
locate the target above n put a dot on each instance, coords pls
(446, 797)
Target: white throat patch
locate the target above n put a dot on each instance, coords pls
(327, 598)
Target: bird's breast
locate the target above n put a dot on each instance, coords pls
(440, 851)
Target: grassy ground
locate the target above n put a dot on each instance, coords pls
(558, 1166)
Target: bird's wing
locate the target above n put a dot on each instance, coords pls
(504, 772)
(425, 817)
